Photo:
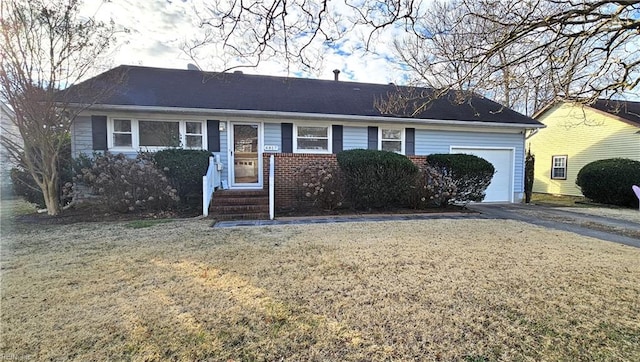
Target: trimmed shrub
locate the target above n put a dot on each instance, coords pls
(321, 183)
(609, 181)
(128, 185)
(377, 179)
(185, 169)
(471, 174)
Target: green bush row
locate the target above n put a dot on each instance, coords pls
(371, 179)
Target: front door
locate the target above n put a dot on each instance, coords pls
(246, 155)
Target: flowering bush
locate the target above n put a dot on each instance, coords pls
(433, 187)
(471, 174)
(127, 185)
(321, 183)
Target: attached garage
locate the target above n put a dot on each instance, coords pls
(501, 187)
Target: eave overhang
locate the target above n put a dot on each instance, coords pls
(304, 116)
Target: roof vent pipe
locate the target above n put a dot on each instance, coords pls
(336, 74)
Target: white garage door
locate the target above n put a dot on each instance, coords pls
(501, 187)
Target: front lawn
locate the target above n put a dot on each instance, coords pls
(469, 290)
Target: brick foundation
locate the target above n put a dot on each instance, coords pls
(286, 164)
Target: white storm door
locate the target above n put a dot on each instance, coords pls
(245, 155)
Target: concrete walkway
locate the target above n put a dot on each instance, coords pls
(348, 218)
(600, 227)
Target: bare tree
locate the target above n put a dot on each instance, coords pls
(588, 48)
(443, 47)
(532, 49)
(46, 46)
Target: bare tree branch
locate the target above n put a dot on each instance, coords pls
(521, 52)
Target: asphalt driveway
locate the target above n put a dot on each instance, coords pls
(615, 229)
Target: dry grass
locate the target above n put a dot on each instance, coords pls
(558, 200)
(474, 290)
(632, 215)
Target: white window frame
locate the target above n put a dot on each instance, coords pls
(135, 134)
(184, 134)
(113, 130)
(564, 159)
(402, 137)
(329, 139)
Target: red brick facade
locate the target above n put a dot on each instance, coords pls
(285, 177)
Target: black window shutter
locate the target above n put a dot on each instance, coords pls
(410, 141)
(336, 134)
(372, 143)
(99, 132)
(213, 135)
(287, 137)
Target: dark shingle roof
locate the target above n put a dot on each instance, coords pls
(626, 110)
(156, 87)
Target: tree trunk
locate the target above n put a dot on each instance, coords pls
(50, 194)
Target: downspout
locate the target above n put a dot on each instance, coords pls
(530, 132)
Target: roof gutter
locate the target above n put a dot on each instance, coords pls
(304, 116)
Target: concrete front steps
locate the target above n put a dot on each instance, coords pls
(240, 205)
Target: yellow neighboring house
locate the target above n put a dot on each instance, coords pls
(577, 134)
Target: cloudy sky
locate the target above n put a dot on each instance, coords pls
(158, 29)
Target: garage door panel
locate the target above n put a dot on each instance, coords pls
(501, 187)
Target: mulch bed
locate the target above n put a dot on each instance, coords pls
(348, 212)
(88, 214)
(96, 214)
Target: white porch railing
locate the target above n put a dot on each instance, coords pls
(210, 182)
(272, 188)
